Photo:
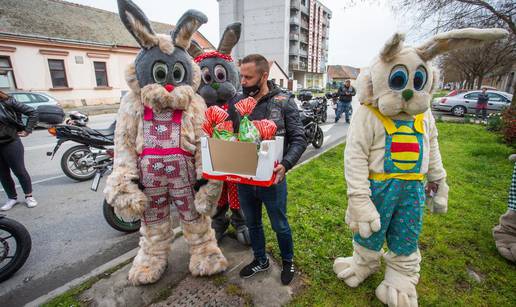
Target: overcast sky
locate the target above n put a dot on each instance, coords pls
(356, 33)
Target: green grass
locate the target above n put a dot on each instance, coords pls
(440, 93)
(479, 176)
(71, 297)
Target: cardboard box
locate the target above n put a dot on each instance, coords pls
(241, 162)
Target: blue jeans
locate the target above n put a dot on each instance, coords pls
(275, 200)
(343, 107)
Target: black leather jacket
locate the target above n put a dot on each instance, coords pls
(280, 107)
(346, 93)
(9, 132)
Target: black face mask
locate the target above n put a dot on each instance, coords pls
(251, 90)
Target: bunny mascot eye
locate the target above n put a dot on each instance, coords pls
(206, 75)
(159, 72)
(178, 73)
(398, 78)
(220, 73)
(420, 78)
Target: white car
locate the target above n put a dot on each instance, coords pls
(466, 102)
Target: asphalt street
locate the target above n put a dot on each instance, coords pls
(69, 235)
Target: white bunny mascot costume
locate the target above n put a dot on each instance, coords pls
(391, 149)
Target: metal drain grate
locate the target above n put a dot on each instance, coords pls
(200, 292)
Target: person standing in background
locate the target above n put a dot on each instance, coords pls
(12, 151)
(345, 95)
(482, 101)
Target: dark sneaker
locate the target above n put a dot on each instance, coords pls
(287, 274)
(253, 268)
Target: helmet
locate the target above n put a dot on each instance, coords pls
(77, 118)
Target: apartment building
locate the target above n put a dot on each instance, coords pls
(294, 33)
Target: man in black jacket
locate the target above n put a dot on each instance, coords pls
(345, 94)
(11, 149)
(280, 107)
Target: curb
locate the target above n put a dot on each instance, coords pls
(339, 142)
(131, 254)
(96, 272)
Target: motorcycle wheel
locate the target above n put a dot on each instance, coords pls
(324, 117)
(70, 166)
(10, 262)
(118, 223)
(319, 138)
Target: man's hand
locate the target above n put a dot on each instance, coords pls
(280, 173)
(23, 133)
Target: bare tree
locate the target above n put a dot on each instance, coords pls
(476, 63)
(453, 14)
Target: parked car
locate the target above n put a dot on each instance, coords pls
(464, 103)
(49, 108)
(34, 99)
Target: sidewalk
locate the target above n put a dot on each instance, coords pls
(178, 287)
(95, 110)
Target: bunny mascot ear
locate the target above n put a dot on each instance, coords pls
(137, 24)
(392, 47)
(195, 49)
(230, 38)
(458, 39)
(365, 86)
(186, 27)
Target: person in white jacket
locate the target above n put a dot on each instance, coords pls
(391, 150)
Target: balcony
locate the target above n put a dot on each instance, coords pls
(304, 24)
(295, 4)
(303, 39)
(297, 66)
(303, 53)
(294, 36)
(294, 20)
(304, 10)
(293, 50)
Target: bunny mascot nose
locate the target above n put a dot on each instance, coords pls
(169, 87)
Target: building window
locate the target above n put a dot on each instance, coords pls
(6, 74)
(57, 73)
(101, 73)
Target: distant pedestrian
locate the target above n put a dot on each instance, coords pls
(12, 151)
(482, 101)
(345, 94)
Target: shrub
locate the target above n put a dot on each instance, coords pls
(494, 122)
(509, 126)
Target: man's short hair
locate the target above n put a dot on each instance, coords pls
(262, 65)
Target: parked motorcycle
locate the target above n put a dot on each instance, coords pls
(334, 97)
(108, 211)
(313, 131)
(319, 107)
(15, 246)
(81, 161)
